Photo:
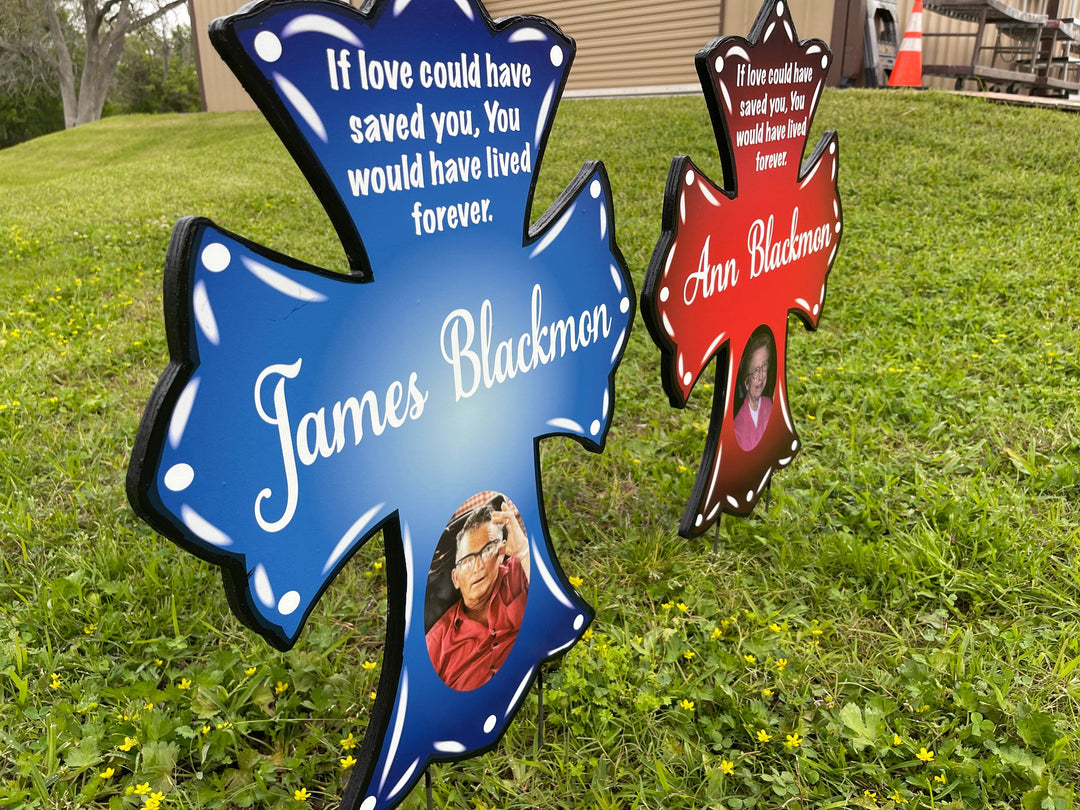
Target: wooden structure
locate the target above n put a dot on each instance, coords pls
(1011, 48)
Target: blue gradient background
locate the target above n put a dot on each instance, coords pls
(235, 309)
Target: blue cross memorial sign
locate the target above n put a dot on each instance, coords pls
(303, 410)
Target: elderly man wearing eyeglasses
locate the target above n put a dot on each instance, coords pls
(491, 571)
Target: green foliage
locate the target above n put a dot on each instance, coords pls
(156, 74)
(896, 628)
(29, 115)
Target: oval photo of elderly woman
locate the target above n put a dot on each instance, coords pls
(477, 588)
(754, 388)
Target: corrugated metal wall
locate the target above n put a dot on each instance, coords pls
(221, 91)
(645, 43)
(621, 43)
(627, 43)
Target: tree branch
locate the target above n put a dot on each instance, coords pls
(149, 18)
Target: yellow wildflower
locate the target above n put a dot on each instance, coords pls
(766, 692)
(301, 795)
(108, 773)
(687, 704)
(727, 766)
(750, 659)
(683, 607)
(249, 671)
(281, 687)
(185, 683)
(793, 741)
(781, 664)
(577, 582)
(688, 654)
(89, 629)
(347, 762)
(940, 778)
(349, 743)
(896, 797)
(140, 790)
(896, 740)
(129, 743)
(716, 633)
(763, 736)
(924, 755)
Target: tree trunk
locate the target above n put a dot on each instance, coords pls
(64, 66)
(104, 47)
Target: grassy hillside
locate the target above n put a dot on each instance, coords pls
(910, 590)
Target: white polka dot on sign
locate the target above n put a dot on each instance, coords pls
(825, 61)
(289, 602)
(579, 621)
(557, 56)
(179, 477)
(689, 177)
(687, 377)
(779, 9)
(624, 306)
(594, 428)
(665, 293)
(268, 46)
(719, 64)
(215, 257)
(595, 188)
(489, 724)
(369, 803)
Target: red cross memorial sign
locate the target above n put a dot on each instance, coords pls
(733, 261)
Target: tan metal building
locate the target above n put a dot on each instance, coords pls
(648, 46)
(624, 46)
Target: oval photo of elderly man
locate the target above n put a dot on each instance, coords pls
(754, 388)
(477, 588)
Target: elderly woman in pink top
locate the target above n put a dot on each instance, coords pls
(753, 417)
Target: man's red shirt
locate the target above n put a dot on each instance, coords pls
(466, 653)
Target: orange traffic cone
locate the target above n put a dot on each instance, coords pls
(907, 72)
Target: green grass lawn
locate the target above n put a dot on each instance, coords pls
(899, 627)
